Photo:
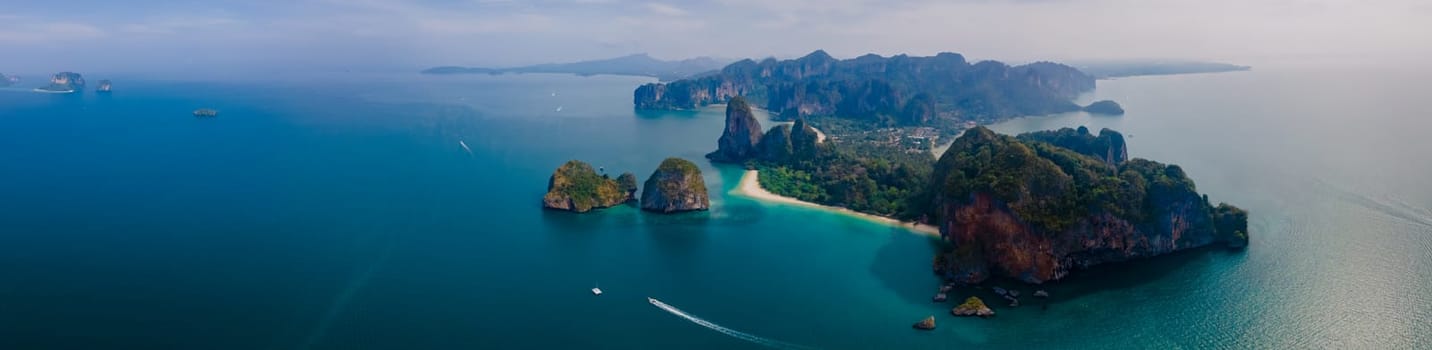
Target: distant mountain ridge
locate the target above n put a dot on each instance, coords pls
(940, 90)
(637, 64)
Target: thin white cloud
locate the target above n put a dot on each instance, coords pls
(526, 23)
(174, 25)
(665, 9)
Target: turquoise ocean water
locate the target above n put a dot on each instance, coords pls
(339, 212)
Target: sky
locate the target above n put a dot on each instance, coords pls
(275, 35)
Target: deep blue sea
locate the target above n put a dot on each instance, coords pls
(340, 212)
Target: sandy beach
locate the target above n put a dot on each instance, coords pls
(750, 186)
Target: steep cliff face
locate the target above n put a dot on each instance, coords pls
(991, 239)
(1108, 145)
(675, 186)
(805, 142)
(1057, 78)
(775, 145)
(788, 142)
(688, 93)
(900, 88)
(742, 134)
(575, 186)
(1034, 212)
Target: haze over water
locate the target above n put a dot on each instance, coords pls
(339, 212)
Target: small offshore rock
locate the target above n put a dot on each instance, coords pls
(972, 307)
(1041, 294)
(926, 324)
(1106, 107)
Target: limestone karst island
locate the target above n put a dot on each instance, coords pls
(675, 186)
(1029, 208)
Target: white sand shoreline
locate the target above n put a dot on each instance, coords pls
(750, 186)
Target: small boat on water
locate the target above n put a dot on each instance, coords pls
(597, 290)
(205, 112)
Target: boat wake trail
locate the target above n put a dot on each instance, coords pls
(1387, 205)
(464, 147)
(776, 344)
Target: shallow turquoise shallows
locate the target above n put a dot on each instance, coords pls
(340, 212)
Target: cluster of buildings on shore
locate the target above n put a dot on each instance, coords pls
(909, 139)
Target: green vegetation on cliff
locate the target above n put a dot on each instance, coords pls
(1054, 188)
(627, 181)
(860, 176)
(1108, 145)
(1231, 223)
(972, 306)
(575, 186)
(675, 186)
(1023, 208)
(972, 303)
(679, 168)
